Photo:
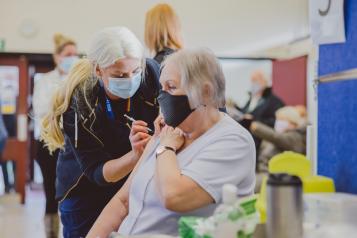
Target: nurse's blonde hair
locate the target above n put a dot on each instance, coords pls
(106, 47)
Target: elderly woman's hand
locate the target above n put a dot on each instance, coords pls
(172, 137)
(159, 123)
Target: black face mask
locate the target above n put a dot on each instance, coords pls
(175, 109)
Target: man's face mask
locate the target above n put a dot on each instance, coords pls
(174, 108)
(124, 87)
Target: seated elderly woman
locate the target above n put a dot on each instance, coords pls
(289, 134)
(190, 157)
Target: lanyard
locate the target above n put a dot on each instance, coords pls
(110, 111)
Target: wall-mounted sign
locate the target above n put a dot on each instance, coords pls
(9, 88)
(327, 21)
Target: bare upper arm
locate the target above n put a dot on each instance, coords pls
(123, 193)
(188, 197)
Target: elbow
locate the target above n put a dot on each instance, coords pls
(173, 201)
(170, 202)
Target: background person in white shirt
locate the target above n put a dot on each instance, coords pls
(65, 55)
(185, 165)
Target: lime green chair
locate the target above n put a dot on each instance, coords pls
(294, 164)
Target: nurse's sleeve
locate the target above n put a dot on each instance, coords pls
(87, 148)
(229, 159)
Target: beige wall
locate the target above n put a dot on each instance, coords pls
(229, 27)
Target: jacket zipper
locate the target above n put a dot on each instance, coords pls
(75, 185)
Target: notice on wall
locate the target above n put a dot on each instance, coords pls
(327, 21)
(9, 88)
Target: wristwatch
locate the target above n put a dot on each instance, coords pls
(161, 149)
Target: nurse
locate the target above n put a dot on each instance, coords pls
(88, 123)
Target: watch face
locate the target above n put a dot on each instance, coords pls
(160, 149)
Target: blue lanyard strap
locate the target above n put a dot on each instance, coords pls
(109, 109)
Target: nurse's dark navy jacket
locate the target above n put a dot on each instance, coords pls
(102, 138)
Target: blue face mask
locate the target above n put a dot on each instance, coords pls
(67, 63)
(124, 87)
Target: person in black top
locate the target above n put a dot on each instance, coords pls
(162, 31)
(88, 122)
(262, 104)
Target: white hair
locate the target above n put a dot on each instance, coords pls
(263, 74)
(113, 43)
(200, 70)
(291, 114)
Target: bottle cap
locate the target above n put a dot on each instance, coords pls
(229, 194)
(283, 179)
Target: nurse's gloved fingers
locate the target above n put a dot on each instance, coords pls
(141, 144)
(138, 128)
(139, 147)
(140, 123)
(138, 137)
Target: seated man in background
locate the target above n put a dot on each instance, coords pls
(289, 134)
(262, 104)
(196, 149)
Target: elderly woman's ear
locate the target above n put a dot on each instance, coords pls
(207, 93)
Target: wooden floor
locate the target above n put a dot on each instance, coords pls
(25, 221)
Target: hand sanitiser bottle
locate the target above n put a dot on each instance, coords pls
(229, 197)
(227, 228)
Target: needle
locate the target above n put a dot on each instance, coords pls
(133, 120)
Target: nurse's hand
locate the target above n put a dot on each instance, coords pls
(172, 137)
(139, 137)
(159, 123)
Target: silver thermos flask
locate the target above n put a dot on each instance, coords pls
(284, 206)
